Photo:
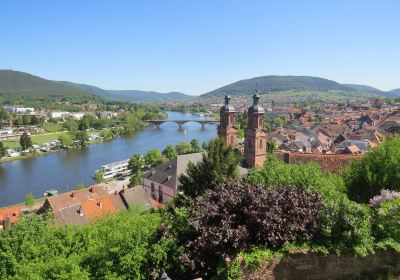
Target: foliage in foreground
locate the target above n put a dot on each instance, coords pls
(112, 248)
(219, 164)
(377, 170)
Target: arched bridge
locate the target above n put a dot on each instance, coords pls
(158, 123)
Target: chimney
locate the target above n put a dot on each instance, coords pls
(91, 189)
(286, 157)
(80, 211)
(72, 194)
(100, 204)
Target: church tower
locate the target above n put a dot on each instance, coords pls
(255, 139)
(227, 127)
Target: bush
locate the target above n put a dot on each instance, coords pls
(384, 196)
(232, 218)
(346, 227)
(387, 217)
(379, 169)
(275, 173)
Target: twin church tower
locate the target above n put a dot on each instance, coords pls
(255, 137)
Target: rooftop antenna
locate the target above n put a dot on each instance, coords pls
(256, 88)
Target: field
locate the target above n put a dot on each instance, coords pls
(36, 139)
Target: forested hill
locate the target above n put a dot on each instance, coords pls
(16, 84)
(275, 84)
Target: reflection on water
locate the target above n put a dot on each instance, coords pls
(66, 169)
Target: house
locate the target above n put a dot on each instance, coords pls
(161, 183)
(83, 206)
(19, 110)
(4, 131)
(9, 215)
(137, 196)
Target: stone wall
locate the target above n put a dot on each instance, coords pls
(303, 265)
(328, 162)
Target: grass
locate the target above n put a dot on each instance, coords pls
(53, 127)
(36, 139)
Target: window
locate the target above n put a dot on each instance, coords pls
(153, 191)
(232, 140)
(160, 194)
(260, 122)
(260, 144)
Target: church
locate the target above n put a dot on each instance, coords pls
(255, 139)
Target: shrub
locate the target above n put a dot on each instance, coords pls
(346, 227)
(232, 218)
(275, 173)
(387, 220)
(379, 169)
(384, 196)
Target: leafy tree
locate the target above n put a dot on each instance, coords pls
(71, 125)
(25, 141)
(99, 177)
(26, 120)
(65, 139)
(153, 158)
(107, 134)
(377, 170)
(169, 152)
(136, 162)
(219, 164)
(183, 148)
(195, 146)
(82, 137)
(84, 123)
(29, 200)
(2, 149)
(135, 179)
(34, 120)
(234, 217)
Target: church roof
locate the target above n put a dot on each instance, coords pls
(256, 108)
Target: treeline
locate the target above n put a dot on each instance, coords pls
(219, 216)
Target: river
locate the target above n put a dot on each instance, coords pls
(66, 169)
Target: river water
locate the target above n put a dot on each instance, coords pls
(64, 170)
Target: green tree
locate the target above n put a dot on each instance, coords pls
(183, 148)
(195, 146)
(153, 158)
(26, 120)
(25, 141)
(82, 137)
(169, 152)
(99, 177)
(2, 150)
(377, 170)
(29, 200)
(135, 179)
(136, 162)
(65, 139)
(71, 125)
(219, 164)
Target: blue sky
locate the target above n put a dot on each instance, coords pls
(197, 46)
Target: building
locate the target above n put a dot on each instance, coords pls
(58, 114)
(83, 206)
(227, 128)
(255, 138)
(19, 110)
(161, 183)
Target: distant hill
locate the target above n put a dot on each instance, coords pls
(300, 85)
(395, 92)
(16, 83)
(268, 84)
(20, 83)
(146, 96)
(363, 88)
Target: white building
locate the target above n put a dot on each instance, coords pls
(77, 115)
(6, 131)
(19, 110)
(58, 114)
